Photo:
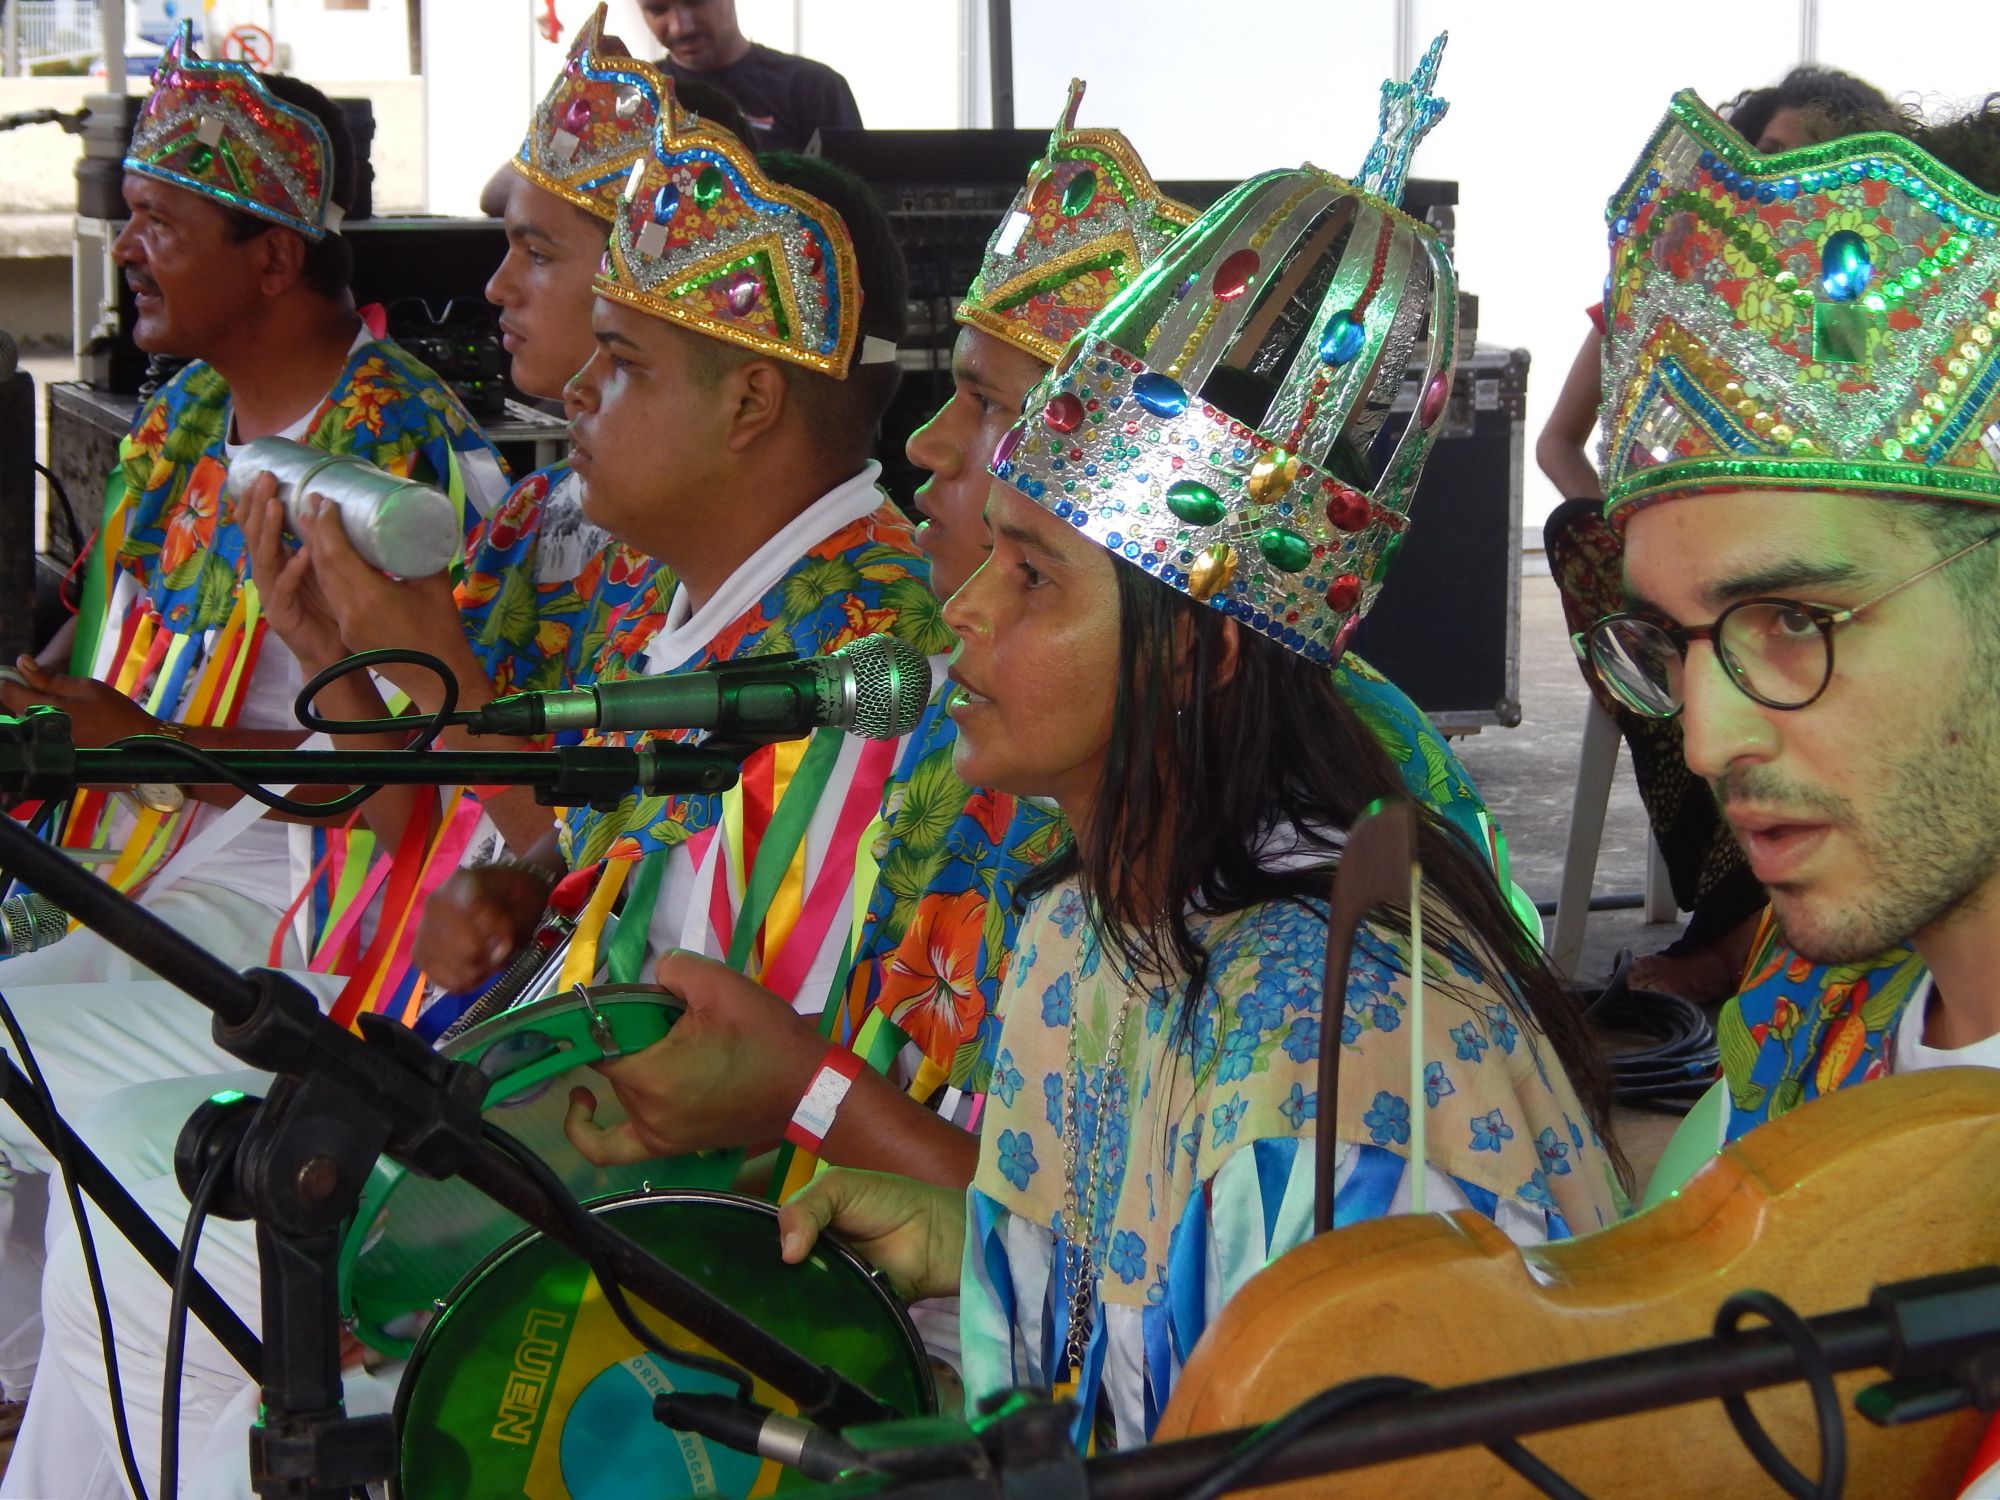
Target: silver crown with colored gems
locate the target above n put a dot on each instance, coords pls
(1211, 424)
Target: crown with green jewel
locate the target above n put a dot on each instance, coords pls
(704, 239)
(1089, 219)
(215, 129)
(1821, 319)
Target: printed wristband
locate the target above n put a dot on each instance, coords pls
(821, 1100)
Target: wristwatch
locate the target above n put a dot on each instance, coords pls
(163, 797)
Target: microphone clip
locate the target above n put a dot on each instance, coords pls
(37, 757)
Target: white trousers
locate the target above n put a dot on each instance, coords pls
(235, 927)
(67, 1445)
(97, 1022)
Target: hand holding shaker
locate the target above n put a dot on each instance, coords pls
(397, 525)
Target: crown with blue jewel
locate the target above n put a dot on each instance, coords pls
(1821, 319)
(1211, 424)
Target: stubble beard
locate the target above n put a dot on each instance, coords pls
(1930, 848)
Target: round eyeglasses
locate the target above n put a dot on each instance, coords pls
(1778, 652)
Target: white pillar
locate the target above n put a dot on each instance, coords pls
(112, 25)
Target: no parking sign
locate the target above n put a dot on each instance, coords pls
(250, 44)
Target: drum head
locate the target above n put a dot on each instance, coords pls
(414, 1239)
(528, 1385)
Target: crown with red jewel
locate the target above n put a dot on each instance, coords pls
(1208, 424)
(597, 119)
(1089, 219)
(704, 239)
(214, 129)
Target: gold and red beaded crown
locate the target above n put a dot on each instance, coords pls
(704, 239)
(1821, 319)
(597, 119)
(215, 129)
(1199, 428)
(1088, 220)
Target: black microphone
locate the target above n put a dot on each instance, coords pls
(749, 1427)
(29, 923)
(875, 687)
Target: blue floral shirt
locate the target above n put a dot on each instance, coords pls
(1195, 1144)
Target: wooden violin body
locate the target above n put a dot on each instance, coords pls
(1893, 1180)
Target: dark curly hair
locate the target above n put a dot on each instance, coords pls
(1968, 143)
(1833, 104)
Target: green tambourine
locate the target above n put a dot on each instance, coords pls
(413, 1239)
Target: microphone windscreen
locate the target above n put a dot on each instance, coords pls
(29, 923)
(892, 684)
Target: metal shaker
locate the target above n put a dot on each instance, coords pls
(397, 525)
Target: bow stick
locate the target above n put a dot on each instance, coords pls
(1378, 867)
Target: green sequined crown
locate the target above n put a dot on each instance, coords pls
(1205, 426)
(1820, 319)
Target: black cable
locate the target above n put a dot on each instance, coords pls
(584, 1229)
(170, 1393)
(1818, 1376)
(1315, 1411)
(1683, 1061)
(216, 770)
(1616, 901)
(92, 1271)
(422, 732)
(78, 542)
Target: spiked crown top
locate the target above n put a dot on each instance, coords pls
(1208, 425)
(597, 119)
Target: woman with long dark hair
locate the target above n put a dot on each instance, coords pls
(1174, 559)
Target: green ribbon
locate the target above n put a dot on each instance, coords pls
(626, 953)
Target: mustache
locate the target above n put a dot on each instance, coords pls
(1761, 786)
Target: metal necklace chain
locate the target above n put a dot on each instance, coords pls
(1080, 1211)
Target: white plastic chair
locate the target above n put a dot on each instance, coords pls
(1596, 765)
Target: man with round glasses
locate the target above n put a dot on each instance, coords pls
(1802, 445)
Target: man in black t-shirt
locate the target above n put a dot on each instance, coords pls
(787, 98)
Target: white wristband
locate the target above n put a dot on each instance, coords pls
(822, 1098)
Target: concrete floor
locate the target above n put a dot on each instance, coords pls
(1527, 776)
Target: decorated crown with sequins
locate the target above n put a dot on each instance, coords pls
(1820, 319)
(1200, 428)
(1088, 220)
(704, 239)
(215, 129)
(596, 120)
